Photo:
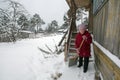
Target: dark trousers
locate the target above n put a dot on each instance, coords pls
(86, 62)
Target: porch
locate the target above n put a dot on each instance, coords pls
(103, 25)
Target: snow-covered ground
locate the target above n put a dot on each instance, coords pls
(24, 61)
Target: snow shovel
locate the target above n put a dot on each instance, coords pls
(73, 59)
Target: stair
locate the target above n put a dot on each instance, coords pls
(72, 51)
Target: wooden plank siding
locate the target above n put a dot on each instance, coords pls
(106, 31)
(106, 27)
(109, 70)
(100, 22)
(113, 27)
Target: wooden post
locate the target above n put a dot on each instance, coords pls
(90, 24)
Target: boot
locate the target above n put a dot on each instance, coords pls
(86, 61)
(80, 62)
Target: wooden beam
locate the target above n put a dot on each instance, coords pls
(69, 2)
(80, 3)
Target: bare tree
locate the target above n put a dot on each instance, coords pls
(12, 13)
(66, 22)
(5, 25)
(80, 13)
(15, 11)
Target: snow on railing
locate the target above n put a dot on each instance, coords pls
(115, 59)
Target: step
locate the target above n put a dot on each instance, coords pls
(72, 51)
(74, 34)
(72, 48)
(72, 43)
(72, 54)
(73, 39)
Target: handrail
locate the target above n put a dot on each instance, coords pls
(63, 38)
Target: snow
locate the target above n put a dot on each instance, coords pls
(115, 59)
(25, 31)
(74, 73)
(23, 60)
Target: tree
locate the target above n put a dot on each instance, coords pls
(36, 23)
(49, 29)
(66, 22)
(23, 22)
(64, 25)
(5, 27)
(14, 18)
(9, 19)
(54, 24)
(15, 10)
(52, 27)
(80, 13)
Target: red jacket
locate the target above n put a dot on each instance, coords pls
(85, 48)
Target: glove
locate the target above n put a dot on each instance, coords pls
(84, 37)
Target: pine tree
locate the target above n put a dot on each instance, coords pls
(23, 22)
(36, 23)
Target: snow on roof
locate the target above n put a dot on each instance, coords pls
(62, 30)
(115, 59)
(26, 31)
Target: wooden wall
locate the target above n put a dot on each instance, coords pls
(106, 27)
(90, 24)
(106, 31)
(109, 70)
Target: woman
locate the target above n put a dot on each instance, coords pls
(82, 45)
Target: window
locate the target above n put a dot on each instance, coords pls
(97, 4)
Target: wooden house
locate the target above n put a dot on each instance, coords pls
(104, 24)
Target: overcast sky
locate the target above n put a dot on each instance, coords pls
(48, 9)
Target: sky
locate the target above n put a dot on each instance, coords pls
(47, 9)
